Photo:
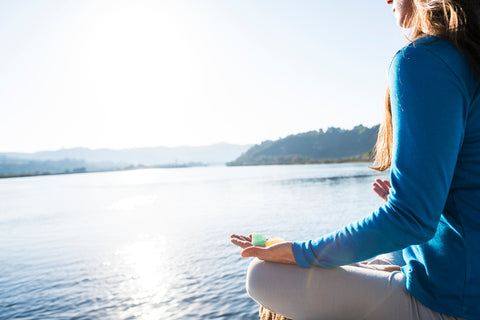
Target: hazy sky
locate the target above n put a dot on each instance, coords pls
(118, 74)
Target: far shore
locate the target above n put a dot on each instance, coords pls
(37, 174)
(231, 164)
(131, 167)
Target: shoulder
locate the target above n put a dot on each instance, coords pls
(433, 45)
(430, 73)
(429, 54)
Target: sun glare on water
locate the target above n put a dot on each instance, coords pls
(128, 204)
(144, 267)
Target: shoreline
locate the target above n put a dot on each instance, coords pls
(26, 175)
(230, 164)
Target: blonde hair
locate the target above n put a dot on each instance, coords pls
(454, 20)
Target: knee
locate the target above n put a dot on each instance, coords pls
(274, 286)
(255, 278)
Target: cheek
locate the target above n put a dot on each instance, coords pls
(405, 6)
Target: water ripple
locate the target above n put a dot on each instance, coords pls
(168, 256)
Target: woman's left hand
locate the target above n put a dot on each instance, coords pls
(280, 252)
(382, 188)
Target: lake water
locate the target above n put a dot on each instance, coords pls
(154, 243)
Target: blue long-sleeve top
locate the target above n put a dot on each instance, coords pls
(433, 209)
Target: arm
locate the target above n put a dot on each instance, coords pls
(429, 114)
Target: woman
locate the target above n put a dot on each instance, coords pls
(430, 140)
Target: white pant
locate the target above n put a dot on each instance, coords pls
(367, 290)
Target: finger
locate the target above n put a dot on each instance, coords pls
(387, 183)
(381, 194)
(241, 243)
(380, 184)
(384, 190)
(381, 191)
(378, 190)
(241, 237)
(249, 238)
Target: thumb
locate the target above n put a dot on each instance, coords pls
(253, 251)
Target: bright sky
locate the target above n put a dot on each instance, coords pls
(120, 74)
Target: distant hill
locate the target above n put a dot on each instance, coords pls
(332, 145)
(78, 160)
(212, 154)
(10, 167)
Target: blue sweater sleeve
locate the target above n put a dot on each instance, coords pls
(429, 113)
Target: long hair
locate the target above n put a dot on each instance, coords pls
(457, 21)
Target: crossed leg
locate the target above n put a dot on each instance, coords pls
(372, 290)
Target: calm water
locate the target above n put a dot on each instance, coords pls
(154, 243)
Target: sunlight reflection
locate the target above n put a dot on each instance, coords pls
(135, 177)
(128, 204)
(146, 272)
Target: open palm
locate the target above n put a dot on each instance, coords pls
(280, 252)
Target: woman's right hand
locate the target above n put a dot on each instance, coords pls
(280, 252)
(382, 188)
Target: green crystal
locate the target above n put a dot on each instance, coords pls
(258, 239)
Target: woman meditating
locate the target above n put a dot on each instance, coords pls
(423, 245)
